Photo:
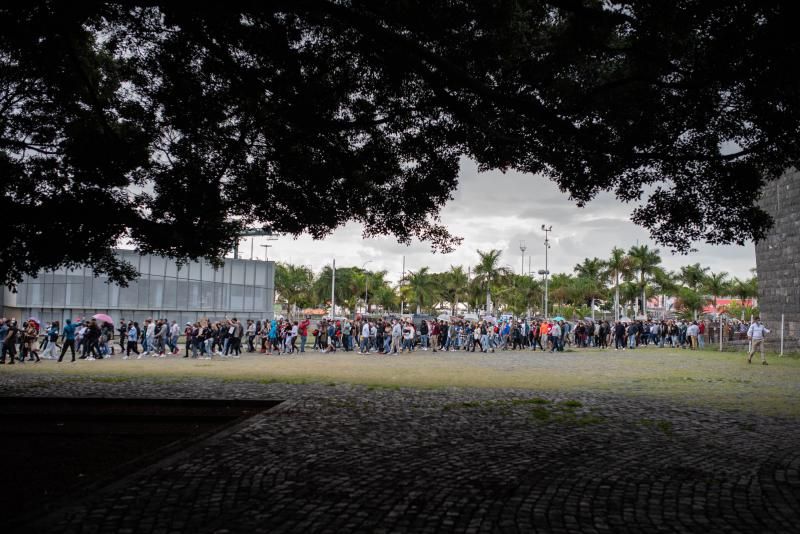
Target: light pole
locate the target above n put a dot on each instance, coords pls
(366, 286)
(543, 273)
(522, 249)
(333, 289)
(546, 230)
(266, 252)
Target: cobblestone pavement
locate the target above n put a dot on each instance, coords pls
(354, 459)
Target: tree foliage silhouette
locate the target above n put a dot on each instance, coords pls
(174, 127)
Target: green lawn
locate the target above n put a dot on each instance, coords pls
(702, 378)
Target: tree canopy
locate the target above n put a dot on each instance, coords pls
(174, 127)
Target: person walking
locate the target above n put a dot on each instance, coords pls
(619, 336)
(409, 334)
(434, 336)
(397, 333)
(756, 334)
(10, 343)
(50, 350)
(363, 347)
(133, 339)
(68, 340)
(692, 331)
(555, 335)
(303, 331)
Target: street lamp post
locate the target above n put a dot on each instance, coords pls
(266, 252)
(366, 287)
(543, 273)
(546, 230)
(522, 248)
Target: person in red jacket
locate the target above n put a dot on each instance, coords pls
(303, 331)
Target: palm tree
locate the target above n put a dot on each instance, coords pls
(422, 288)
(586, 290)
(590, 268)
(561, 288)
(343, 289)
(385, 297)
(617, 266)
(292, 283)
(690, 302)
(524, 294)
(645, 260)
(455, 285)
(716, 285)
(489, 274)
(744, 289)
(630, 292)
(693, 276)
(665, 284)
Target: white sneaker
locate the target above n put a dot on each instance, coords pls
(124, 357)
(139, 357)
(90, 359)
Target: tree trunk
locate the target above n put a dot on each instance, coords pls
(488, 301)
(616, 296)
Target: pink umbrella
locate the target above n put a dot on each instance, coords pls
(102, 317)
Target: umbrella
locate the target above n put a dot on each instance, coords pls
(103, 318)
(489, 319)
(625, 319)
(35, 320)
(443, 317)
(558, 318)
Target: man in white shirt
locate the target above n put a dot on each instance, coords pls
(397, 333)
(756, 336)
(691, 332)
(555, 335)
(174, 334)
(364, 345)
(150, 336)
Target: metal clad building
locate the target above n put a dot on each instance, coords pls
(241, 288)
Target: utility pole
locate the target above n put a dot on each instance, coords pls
(366, 286)
(402, 281)
(333, 289)
(266, 252)
(546, 230)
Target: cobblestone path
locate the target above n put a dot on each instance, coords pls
(354, 459)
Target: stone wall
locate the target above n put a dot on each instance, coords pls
(778, 260)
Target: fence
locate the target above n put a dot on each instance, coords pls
(734, 336)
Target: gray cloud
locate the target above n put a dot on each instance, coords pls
(496, 210)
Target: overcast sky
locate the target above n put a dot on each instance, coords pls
(496, 210)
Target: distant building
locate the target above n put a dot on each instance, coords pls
(241, 288)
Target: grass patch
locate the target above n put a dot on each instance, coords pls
(571, 404)
(535, 400)
(702, 378)
(540, 413)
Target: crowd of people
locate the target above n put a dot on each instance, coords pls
(393, 336)
(92, 339)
